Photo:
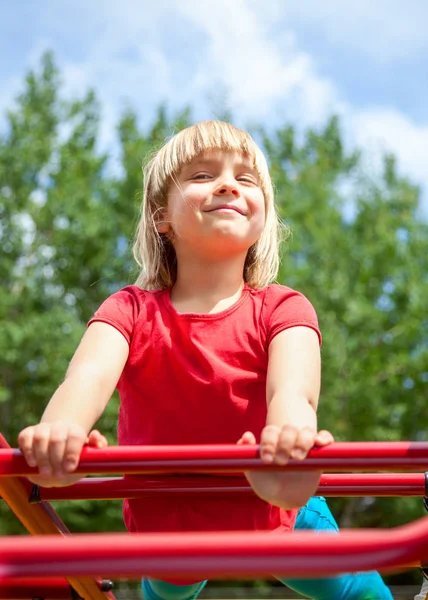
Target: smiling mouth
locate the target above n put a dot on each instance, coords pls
(228, 208)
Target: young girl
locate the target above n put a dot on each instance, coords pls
(204, 349)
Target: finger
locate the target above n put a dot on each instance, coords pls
(25, 443)
(41, 448)
(304, 442)
(247, 438)
(96, 439)
(323, 438)
(268, 443)
(76, 437)
(56, 449)
(286, 444)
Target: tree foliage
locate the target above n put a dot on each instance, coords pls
(358, 251)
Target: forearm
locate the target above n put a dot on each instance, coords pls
(78, 401)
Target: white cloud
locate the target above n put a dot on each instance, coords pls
(257, 74)
(387, 130)
(121, 59)
(125, 61)
(129, 52)
(384, 30)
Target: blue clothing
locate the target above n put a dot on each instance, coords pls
(153, 589)
(315, 516)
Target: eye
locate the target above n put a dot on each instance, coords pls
(247, 179)
(201, 176)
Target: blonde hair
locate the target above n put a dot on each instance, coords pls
(154, 251)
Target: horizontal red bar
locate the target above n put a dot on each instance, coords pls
(346, 456)
(35, 587)
(111, 488)
(372, 484)
(208, 555)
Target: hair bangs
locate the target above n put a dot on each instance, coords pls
(207, 135)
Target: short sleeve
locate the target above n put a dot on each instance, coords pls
(285, 308)
(121, 310)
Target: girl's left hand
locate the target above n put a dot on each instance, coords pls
(287, 489)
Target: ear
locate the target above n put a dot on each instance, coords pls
(162, 227)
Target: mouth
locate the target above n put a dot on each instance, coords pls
(227, 207)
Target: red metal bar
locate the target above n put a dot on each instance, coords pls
(346, 456)
(372, 484)
(37, 587)
(113, 488)
(42, 519)
(208, 555)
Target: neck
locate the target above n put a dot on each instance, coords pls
(208, 285)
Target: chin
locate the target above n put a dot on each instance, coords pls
(235, 238)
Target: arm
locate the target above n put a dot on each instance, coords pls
(292, 391)
(55, 444)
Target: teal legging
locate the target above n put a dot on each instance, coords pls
(315, 516)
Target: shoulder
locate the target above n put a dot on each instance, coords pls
(285, 307)
(129, 298)
(276, 294)
(122, 309)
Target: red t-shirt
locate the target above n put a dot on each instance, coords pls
(199, 379)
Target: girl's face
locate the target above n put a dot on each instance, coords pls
(216, 205)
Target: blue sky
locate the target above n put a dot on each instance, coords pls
(270, 61)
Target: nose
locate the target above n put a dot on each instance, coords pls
(226, 189)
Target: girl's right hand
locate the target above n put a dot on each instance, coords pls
(55, 449)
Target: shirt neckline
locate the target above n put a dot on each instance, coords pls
(166, 297)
